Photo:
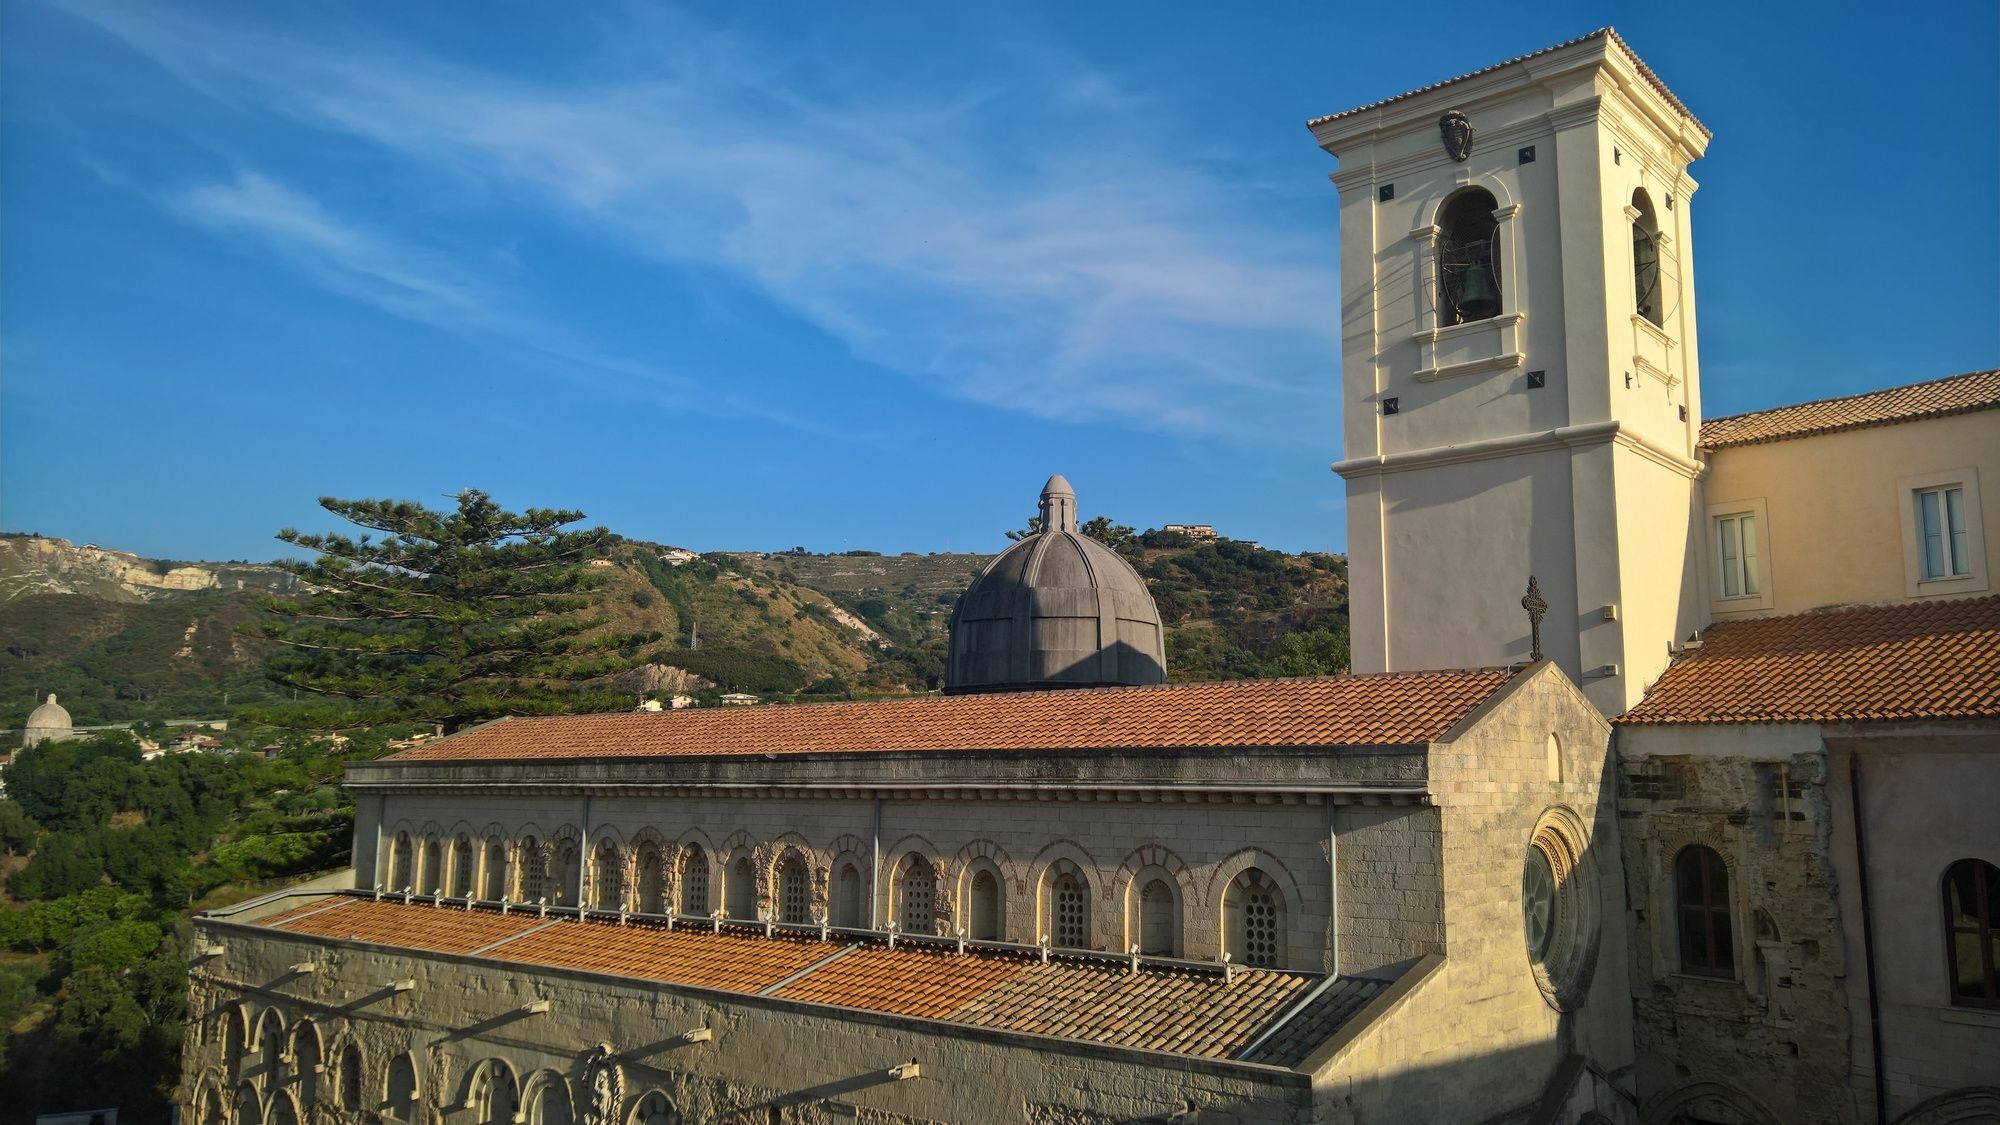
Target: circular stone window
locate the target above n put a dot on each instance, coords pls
(1559, 907)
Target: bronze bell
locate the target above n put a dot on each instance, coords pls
(1478, 298)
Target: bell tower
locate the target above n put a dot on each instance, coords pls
(1520, 393)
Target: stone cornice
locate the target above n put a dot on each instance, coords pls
(1565, 437)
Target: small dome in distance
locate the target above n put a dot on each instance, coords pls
(1057, 609)
(46, 723)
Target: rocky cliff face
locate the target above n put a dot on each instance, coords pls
(32, 565)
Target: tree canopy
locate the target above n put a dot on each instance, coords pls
(453, 617)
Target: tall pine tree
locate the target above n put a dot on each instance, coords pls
(452, 617)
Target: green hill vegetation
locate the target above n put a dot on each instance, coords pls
(786, 625)
(108, 855)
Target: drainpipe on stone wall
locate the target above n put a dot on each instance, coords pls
(1868, 936)
(875, 873)
(1332, 891)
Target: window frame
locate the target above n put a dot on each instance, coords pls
(1976, 578)
(1763, 597)
(1708, 908)
(1987, 927)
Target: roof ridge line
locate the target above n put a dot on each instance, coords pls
(1851, 397)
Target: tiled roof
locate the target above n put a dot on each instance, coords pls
(1959, 394)
(1177, 1009)
(415, 927)
(1645, 72)
(1384, 710)
(1923, 660)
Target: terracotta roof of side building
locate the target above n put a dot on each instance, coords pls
(1270, 1016)
(1396, 709)
(1958, 394)
(1908, 661)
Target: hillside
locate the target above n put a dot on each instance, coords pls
(119, 637)
(1227, 605)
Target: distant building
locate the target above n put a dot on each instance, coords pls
(47, 723)
(738, 699)
(600, 564)
(1192, 530)
(678, 556)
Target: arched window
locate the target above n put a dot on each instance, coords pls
(234, 1040)
(1972, 927)
(534, 871)
(1157, 914)
(694, 880)
(1647, 296)
(496, 871)
(306, 1062)
(214, 1108)
(551, 1102)
(1254, 920)
(916, 907)
(399, 863)
(284, 1111)
(1701, 904)
(652, 881)
(655, 1109)
(607, 877)
(568, 875)
(248, 1111)
(985, 907)
(461, 868)
(794, 901)
(739, 890)
(847, 897)
(1468, 266)
(496, 1098)
(1069, 911)
(270, 1046)
(433, 870)
(347, 1083)
(399, 1093)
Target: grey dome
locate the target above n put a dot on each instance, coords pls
(1057, 609)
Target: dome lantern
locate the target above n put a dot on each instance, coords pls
(1057, 609)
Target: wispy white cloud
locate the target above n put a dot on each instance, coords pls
(341, 255)
(1027, 247)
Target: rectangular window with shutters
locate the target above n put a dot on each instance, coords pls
(1736, 539)
(1941, 533)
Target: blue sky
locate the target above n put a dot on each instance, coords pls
(853, 275)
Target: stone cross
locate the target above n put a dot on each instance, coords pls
(1533, 603)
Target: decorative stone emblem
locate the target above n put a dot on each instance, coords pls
(1457, 132)
(604, 1085)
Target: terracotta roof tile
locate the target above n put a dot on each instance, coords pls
(1959, 394)
(415, 927)
(1906, 661)
(1183, 1011)
(911, 981)
(1396, 709)
(1188, 1013)
(1645, 72)
(1320, 1019)
(729, 960)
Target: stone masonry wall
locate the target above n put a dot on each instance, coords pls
(1480, 1038)
(605, 1044)
(1771, 1043)
(1390, 890)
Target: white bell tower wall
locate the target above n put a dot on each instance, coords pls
(1520, 386)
